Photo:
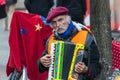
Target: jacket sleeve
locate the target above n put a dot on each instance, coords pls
(92, 61)
(94, 66)
(40, 66)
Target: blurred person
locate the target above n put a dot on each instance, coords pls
(11, 5)
(67, 30)
(77, 8)
(41, 7)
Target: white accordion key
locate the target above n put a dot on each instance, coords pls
(51, 68)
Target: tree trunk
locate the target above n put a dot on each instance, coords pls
(100, 25)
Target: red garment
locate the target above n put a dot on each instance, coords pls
(26, 43)
(2, 2)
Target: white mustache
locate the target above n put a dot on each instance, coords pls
(59, 28)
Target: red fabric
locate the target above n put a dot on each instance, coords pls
(56, 12)
(2, 2)
(26, 44)
(116, 54)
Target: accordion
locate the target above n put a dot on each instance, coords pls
(64, 56)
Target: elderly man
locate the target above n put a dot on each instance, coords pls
(68, 31)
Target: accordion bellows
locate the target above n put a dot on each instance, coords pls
(64, 56)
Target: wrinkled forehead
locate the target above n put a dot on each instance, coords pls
(57, 18)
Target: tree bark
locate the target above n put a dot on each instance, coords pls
(100, 26)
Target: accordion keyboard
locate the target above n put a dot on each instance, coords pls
(51, 69)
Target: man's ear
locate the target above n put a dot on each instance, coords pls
(68, 18)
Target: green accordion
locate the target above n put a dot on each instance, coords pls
(64, 56)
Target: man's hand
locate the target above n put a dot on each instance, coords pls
(46, 60)
(80, 67)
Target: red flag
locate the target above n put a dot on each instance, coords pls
(27, 42)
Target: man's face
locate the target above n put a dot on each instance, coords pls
(60, 23)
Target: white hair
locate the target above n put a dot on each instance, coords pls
(68, 18)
